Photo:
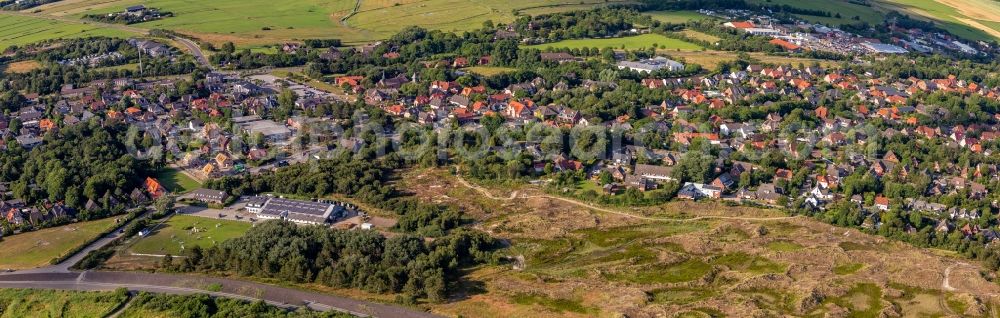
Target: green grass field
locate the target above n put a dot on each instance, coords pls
(488, 70)
(185, 231)
(245, 23)
(34, 249)
(676, 16)
(176, 182)
(846, 10)
(18, 30)
(57, 303)
(630, 42)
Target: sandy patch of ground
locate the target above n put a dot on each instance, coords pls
(570, 261)
(20, 66)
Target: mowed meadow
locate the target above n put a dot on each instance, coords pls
(19, 30)
(257, 22)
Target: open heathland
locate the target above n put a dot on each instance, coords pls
(701, 259)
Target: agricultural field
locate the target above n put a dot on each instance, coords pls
(186, 231)
(696, 259)
(972, 19)
(644, 41)
(58, 303)
(175, 181)
(37, 248)
(847, 11)
(677, 16)
(20, 30)
(244, 23)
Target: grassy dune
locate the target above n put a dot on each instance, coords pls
(53, 303)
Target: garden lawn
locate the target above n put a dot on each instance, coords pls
(175, 181)
(35, 249)
(488, 70)
(629, 42)
(186, 231)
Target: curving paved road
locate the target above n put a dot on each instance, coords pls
(190, 284)
(59, 276)
(195, 50)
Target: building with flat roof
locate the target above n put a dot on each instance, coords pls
(652, 65)
(298, 211)
(271, 130)
(882, 48)
(208, 195)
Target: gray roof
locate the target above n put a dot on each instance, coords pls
(208, 195)
(298, 210)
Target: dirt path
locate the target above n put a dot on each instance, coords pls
(514, 195)
(945, 283)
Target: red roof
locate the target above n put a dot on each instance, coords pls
(742, 24)
(788, 46)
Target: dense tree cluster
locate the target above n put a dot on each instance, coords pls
(246, 59)
(417, 268)
(595, 23)
(86, 161)
(343, 174)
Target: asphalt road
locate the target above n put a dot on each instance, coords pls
(195, 50)
(59, 276)
(190, 284)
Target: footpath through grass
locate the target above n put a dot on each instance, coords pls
(35, 249)
(186, 231)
